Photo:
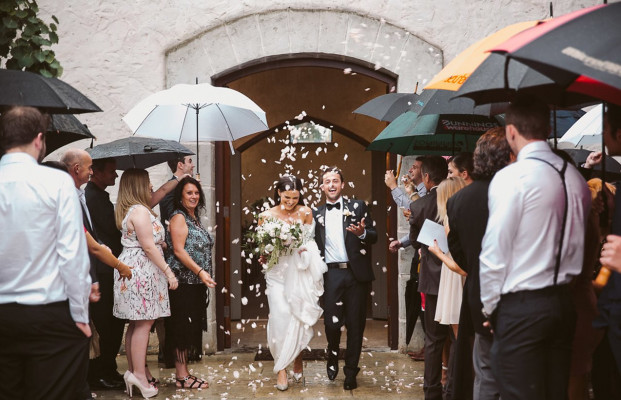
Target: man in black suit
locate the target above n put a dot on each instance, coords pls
(467, 214)
(435, 170)
(103, 372)
(344, 233)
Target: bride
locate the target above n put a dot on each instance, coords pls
(294, 282)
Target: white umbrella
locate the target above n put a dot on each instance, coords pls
(587, 130)
(200, 112)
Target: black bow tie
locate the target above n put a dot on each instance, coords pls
(330, 206)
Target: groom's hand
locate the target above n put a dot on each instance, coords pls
(357, 229)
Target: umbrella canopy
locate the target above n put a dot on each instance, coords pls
(387, 107)
(500, 78)
(140, 152)
(65, 129)
(580, 155)
(442, 102)
(586, 44)
(455, 73)
(587, 130)
(412, 134)
(50, 95)
(200, 112)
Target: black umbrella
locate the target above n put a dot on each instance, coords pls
(580, 155)
(586, 42)
(580, 51)
(65, 129)
(499, 79)
(387, 107)
(140, 152)
(442, 102)
(50, 95)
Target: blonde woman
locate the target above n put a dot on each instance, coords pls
(452, 277)
(145, 297)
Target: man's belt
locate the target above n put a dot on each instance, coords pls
(340, 265)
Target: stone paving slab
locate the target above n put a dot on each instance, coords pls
(237, 376)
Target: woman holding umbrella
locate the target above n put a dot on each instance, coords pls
(145, 298)
(190, 260)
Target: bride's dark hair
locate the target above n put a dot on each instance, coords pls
(288, 182)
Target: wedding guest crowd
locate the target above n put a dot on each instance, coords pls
(510, 308)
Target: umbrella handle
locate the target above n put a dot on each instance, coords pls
(399, 166)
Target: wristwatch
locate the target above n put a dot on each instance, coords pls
(486, 315)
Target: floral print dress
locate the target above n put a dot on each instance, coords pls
(145, 295)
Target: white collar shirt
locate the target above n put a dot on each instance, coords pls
(42, 243)
(82, 198)
(526, 205)
(421, 189)
(335, 250)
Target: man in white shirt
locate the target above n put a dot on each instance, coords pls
(44, 279)
(344, 233)
(532, 248)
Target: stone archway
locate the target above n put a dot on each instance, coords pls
(292, 33)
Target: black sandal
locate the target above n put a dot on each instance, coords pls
(196, 383)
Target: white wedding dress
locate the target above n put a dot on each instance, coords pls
(294, 286)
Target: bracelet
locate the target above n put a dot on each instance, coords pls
(117, 265)
(199, 272)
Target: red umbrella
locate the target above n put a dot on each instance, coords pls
(585, 43)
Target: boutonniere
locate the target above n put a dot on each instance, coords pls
(347, 213)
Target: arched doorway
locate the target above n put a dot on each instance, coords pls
(293, 90)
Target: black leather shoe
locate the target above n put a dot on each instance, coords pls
(332, 367)
(106, 384)
(350, 383)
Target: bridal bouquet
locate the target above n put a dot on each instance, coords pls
(275, 238)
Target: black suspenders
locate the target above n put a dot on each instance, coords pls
(561, 173)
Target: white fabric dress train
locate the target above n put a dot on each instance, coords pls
(293, 288)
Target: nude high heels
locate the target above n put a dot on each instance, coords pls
(146, 391)
(284, 386)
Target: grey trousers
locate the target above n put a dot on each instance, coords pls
(485, 387)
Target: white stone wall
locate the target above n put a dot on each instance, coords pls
(116, 51)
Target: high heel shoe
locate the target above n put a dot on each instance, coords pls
(146, 391)
(284, 386)
(127, 385)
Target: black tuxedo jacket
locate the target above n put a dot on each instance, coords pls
(358, 250)
(430, 266)
(467, 212)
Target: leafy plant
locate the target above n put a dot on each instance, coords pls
(25, 39)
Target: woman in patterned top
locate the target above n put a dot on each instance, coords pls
(190, 260)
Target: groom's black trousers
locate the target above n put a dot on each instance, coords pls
(345, 302)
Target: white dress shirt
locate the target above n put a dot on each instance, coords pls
(335, 250)
(42, 242)
(82, 198)
(526, 205)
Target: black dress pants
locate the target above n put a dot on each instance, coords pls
(345, 303)
(435, 337)
(43, 355)
(531, 352)
(110, 330)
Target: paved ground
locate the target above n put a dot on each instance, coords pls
(384, 374)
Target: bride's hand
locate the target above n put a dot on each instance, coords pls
(262, 260)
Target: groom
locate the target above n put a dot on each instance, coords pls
(344, 233)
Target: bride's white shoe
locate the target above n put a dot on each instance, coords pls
(282, 387)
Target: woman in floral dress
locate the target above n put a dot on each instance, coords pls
(145, 298)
